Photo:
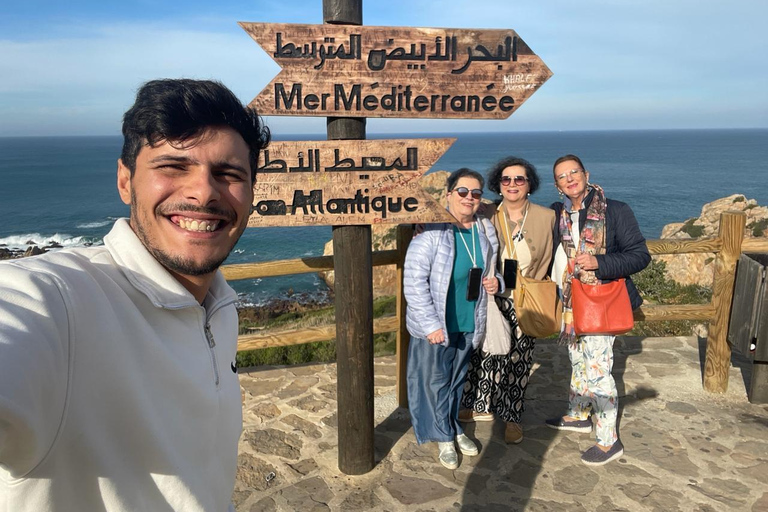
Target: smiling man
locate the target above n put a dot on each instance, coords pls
(117, 389)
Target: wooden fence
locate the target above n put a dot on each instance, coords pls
(727, 247)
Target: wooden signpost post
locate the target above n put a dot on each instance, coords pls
(355, 71)
(346, 182)
(348, 72)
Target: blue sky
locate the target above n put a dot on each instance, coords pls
(72, 68)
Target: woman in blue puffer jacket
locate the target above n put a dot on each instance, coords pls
(449, 271)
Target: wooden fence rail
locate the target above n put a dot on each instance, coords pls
(727, 247)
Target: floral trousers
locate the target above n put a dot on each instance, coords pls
(593, 389)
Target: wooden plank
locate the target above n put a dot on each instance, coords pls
(404, 235)
(307, 335)
(347, 182)
(653, 313)
(759, 244)
(354, 71)
(677, 246)
(296, 266)
(718, 356)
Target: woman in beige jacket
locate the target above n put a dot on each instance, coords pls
(496, 384)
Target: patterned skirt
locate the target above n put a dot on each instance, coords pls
(496, 383)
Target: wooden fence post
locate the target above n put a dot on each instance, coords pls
(718, 358)
(404, 235)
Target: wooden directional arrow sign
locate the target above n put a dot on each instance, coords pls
(361, 71)
(346, 182)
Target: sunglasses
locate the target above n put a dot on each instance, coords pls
(519, 181)
(463, 191)
(572, 172)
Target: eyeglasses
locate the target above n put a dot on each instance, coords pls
(519, 181)
(572, 172)
(463, 191)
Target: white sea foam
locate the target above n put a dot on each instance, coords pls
(22, 242)
(91, 225)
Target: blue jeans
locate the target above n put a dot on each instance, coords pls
(436, 376)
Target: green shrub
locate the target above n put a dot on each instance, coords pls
(655, 288)
(318, 352)
(739, 199)
(692, 229)
(758, 227)
(322, 351)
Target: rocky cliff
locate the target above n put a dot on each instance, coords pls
(698, 268)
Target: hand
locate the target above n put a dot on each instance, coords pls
(436, 337)
(491, 285)
(586, 261)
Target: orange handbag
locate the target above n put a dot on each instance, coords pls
(602, 309)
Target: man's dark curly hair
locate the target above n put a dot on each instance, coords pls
(179, 110)
(494, 175)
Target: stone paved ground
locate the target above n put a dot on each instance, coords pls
(685, 449)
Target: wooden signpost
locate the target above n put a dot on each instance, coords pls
(357, 71)
(347, 182)
(347, 72)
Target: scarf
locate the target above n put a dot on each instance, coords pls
(591, 241)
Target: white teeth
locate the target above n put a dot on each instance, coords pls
(195, 225)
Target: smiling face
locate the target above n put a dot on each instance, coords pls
(464, 208)
(572, 184)
(511, 192)
(190, 201)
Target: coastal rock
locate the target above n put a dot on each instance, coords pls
(384, 238)
(698, 268)
(32, 251)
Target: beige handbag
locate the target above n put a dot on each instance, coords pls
(538, 306)
(498, 332)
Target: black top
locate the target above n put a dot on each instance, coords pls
(625, 250)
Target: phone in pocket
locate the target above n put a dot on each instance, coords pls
(474, 282)
(510, 274)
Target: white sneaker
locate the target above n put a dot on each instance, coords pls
(466, 445)
(447, 455)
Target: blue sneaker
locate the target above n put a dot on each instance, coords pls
(572, 425)
(597, 457)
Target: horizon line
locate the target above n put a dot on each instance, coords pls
(410, 134)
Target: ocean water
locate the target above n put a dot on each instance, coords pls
(62, 189)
